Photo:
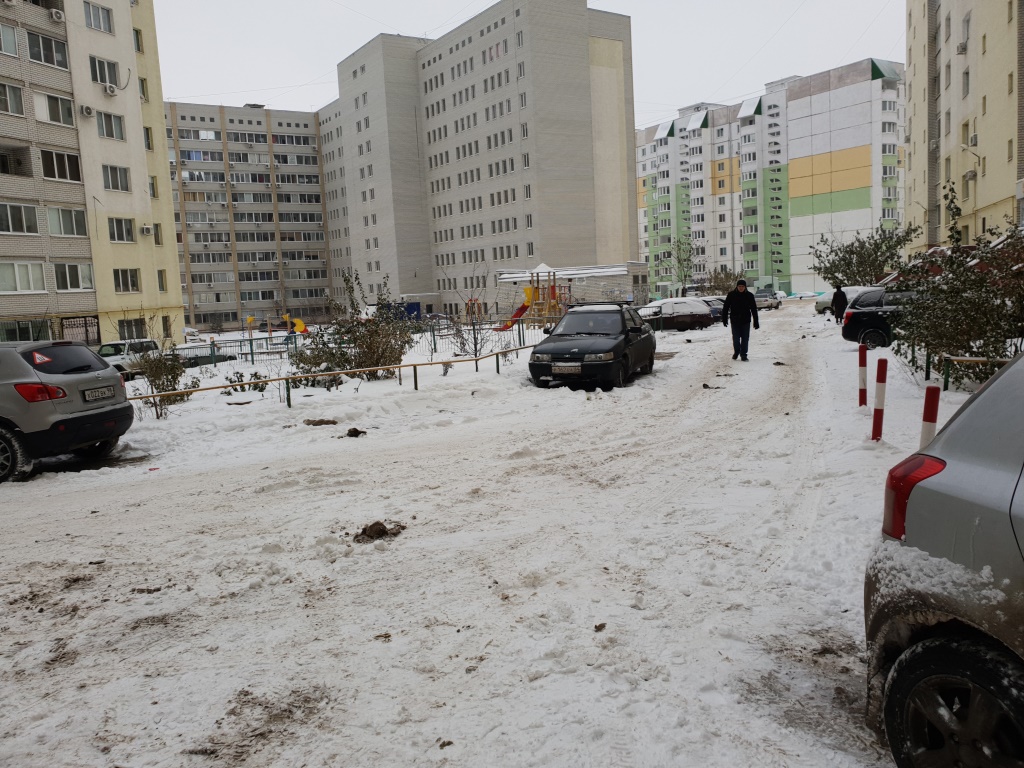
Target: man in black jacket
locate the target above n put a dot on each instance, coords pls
(740, 308)
(839, 304)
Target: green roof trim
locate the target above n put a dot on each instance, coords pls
(883, 69)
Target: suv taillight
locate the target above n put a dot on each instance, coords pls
(901, 481)
(38, 393)
(847, 316)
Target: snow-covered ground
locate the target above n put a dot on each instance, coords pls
(664, 575)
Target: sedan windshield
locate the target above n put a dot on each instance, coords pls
(589, 323)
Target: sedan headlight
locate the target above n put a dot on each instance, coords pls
(604, 357)
(535, 358)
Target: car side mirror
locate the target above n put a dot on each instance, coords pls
(636, 329)
(547, 331)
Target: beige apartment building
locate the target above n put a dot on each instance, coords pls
(84, 204)
(963, 115)
(248, 200)
(506, 143)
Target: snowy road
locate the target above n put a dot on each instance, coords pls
(664, 575)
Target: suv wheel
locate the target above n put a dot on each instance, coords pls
(954, 702)
(649, 367)
(874, 338)
(14, 462)
(97, 450)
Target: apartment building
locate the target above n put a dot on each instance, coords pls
(248, 192)
(760, 182)
(84, 208)
(504, 143)
(964, 120)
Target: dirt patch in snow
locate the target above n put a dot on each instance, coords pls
(817, 686)
(377, 531)
(254, 723)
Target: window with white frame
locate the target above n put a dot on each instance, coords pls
(73, 277)
(21, 276)
(103, 71)
(121, 230)
(18, 219)
(11, 100)
(67, 222)
(116, 178)
(8, 40)
(55, 109)
(63, 166)
(110, 126)
(126, 280)
(47, 50)
(98, 17)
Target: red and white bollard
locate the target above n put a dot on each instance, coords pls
(876, 423)
(931, 414)
(862, 375)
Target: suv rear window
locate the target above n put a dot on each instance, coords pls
(867, 299)
(61, 359)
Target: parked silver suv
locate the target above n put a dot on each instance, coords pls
(944, 591)
(57, 397)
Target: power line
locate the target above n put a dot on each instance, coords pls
(763, 46)
(367, 16)
(866, 29)
(250, 90)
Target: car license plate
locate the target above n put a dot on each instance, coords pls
(565, 368)
(102, 393)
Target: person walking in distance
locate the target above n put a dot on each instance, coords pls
(740, 308)
(839, 304)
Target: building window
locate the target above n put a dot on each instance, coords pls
(21, 277)
(115, 178)
(161, 280)
(58, 109)
(110, 126)
(137, 37)
(153, 190)
(8, 40)
(98, 17)
(126, 280)
(526, 160)
(46, 50)
(143, 89)
(11, 101)
(61, 165)
(966, 82)
(73, 277)
(135, 329)
(522, 100)
(147, 137)
(18, 219)
(1009, 83)
(67, 222)
(528, 192)
(122, 231)
(103, 71)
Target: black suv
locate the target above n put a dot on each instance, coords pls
(870, 318)
(603, 343)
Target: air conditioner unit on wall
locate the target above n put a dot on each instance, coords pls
(110, 89)
(971, 175)
(145, 229)
(87, 111)
(57, 15)
(961, 48)
(973, 140)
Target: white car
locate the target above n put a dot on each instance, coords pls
(124, 355)
(804, 295)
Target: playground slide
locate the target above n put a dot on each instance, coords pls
(515, 316)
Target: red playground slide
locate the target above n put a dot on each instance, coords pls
(515, 316)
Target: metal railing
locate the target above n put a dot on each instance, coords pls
(497, 355)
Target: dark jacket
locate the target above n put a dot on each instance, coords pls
(839, 302)
(740, 308)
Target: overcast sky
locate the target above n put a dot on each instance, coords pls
(283, 54)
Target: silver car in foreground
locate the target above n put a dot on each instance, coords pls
(57, 397)
(944, 591)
